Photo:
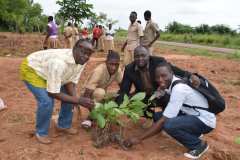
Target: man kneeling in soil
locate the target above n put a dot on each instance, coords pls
(101, 78)
(53, 74)
(184, 124)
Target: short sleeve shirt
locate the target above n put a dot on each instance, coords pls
(110, 33)
(56, 66)
(68, 31)
(133, 37)
(184, 94)
(100, 78)
(150, 32)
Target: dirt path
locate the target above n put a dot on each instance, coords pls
(186, 45)
(17, 122)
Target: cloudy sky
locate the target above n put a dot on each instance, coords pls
(193, 12)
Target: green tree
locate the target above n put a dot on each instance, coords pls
(102, 19)
(176, 27)
(21, 16)
(221, 29)
(75, 10)
(203, 29)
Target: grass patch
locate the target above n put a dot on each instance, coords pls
(235, 55)
(200, 52)
(216, 40)
(237, 140)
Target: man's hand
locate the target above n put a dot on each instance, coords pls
(86, 102)
(195, 81)
(130, 142)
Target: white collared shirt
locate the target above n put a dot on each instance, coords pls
(56, 66)
(110, 32)
(184, 94)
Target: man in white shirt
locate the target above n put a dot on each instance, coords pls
(53, 74)
(182, 123)
(109, 36)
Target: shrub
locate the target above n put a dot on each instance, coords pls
(108, 114)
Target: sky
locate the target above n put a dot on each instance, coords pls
(191, 12)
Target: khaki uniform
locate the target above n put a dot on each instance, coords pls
(150, 33)
(53, 43)
(100, 79)
(75, 35)
(133, 40)
(68, 34)
(101, 40)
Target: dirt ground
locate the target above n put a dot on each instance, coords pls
(17, 123)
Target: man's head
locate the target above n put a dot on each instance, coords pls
(133, 16)
(69, 24)
(82, 51)
(112, 62)
(50, 18)
(141, 56)
(147, 15)
(100, 26)
(163, 75)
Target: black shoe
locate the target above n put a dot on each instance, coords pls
(197, 153)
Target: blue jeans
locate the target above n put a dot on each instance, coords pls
(186, 129)
(45, 105)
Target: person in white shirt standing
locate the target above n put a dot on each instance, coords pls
(53, 74)
(182, 123)
(109, 43)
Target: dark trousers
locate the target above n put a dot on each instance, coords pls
(186, 129)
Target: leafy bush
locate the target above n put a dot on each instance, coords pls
(108, 114)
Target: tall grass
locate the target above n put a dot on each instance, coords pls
(227, 41)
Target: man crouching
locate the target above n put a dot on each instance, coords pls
(182, 123)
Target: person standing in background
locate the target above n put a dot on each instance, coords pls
(68, 34)
(151, 32)
(75, 33)
(109, 39)
(101, 38)
(95, 37)
(134, 38)
(84, 33)
(51, 39)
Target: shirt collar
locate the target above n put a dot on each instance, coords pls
(173, 79)
(135, 23)
(137, 68)
(149, 21)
